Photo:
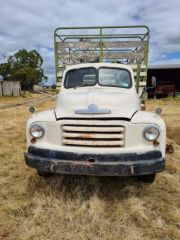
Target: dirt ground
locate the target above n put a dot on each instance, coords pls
(78, 207)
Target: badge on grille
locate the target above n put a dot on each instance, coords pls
(93, 109)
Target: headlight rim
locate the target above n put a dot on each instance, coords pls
(149, 127)
(36, 125)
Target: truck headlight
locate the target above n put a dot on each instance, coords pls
(151, 133)
(37, 131)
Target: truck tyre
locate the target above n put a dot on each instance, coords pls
(44, 174)
(147, 178)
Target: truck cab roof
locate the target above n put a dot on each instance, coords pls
(98, 65)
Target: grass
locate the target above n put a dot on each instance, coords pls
(8, 101)
(78, 207)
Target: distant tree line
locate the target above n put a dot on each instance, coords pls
(24, 66)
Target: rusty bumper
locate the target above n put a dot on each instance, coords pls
(128, 164)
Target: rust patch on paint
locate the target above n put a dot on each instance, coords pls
(85, 136)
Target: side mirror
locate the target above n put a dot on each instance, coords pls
(158, 110)
(32, 109)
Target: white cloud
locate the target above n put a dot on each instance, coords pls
(30, 24)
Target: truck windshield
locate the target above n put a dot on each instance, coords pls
(81, 78)
(105, 76)
(114, 77)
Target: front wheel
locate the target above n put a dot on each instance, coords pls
(147, 178)
(44, 174)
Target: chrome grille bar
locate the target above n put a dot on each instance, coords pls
(95, 135)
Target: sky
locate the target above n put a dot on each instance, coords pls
(30, 24)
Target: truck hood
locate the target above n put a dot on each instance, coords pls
(97, 103)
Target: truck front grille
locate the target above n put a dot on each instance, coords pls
(93, 135)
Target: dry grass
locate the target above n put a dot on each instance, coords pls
(16, 100)
(77, 207)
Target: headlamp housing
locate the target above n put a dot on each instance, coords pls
(151, 133)
(37, 131)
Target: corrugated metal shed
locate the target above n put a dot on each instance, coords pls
(1, 79)
(10, 88)
(164, 66)
(167, 80)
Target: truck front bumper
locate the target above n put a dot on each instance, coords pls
(124, 164)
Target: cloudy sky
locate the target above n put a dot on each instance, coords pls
(30, 24)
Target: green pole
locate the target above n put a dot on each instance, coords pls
(138, 77)
(100, 47)
(56, 57)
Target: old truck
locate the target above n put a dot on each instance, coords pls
(99, 125)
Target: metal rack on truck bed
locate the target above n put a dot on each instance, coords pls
(116, 44)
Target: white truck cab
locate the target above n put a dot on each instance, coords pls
(97, 127)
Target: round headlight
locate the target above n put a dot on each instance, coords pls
(37, 131)
(151, 133)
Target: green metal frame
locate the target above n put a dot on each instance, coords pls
(144, 37)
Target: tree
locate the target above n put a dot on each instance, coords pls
(28, 77)
(5, 70)
(24, 58)
(25, 67)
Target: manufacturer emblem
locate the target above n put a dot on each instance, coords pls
(93, 109)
